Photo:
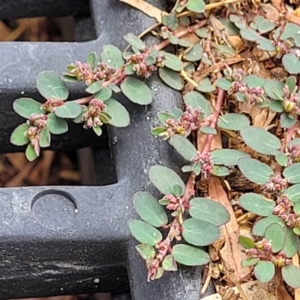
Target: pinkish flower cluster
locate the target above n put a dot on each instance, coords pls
(92, 117)
(284, 209)
(83, 71)
(276, 185)
(51, 104)
(37, 123)
(238, 75)
(175, 203)
(253, 95)
(141, 66)
(190, 120)
(293, 154)
(206, 162)
(263, 251)
(291, 102)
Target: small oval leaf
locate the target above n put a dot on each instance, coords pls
(264, 271)
(257, 204)
(255, 170)
(292, 173)
(199, 233)
(189, 255)
(275, 234)
(144, 232)
(148, 208)
(233, 121)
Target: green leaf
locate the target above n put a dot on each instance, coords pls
(224, 84)
(257, 204)
(276, 105)
(249, 34)
(92, 60)
(135, 41)
(189, 255)
(196, 5)
(163, 117)
(291, 275)
(186, 169)
(260, 227)
(95, 87)
(18, 136)
(291, 63)
(220, 171)
(233, 121)
(276, 235)
(290, 31)
(114, 88)
(112, 56)
(286, 121)
(171, 78)
(45, 138)
(246, 242)
(171, 61)
(148, 208)
(51, 85)
(291, 83)
(265, 25)
(202, 32)
(165, 179)
(249, 262)
(118, 113)
(177, 190)
(30, 153)
(56, 125)
(292, 173)
(104, 94)
(254, 81)
(183, 146)
(205, 86)
(197, 100)
(169, 263)
(293, 193)
(227, 157)
(194, 54)
(208, 210)
(291, 243)
(255, 170)
(69, 78)
(69, 110)
(97, 130)
(274, 89)
(136, 91)
(260, 140)
(144, 232)
(264, 271)
(146, 251)
(281, 159)
(199, 233)
(265, 44)
(208, 130)
(25, 107)
(171, 21)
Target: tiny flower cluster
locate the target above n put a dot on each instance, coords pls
(143, 64)
(95, 116)
(205, 161)
(51, 104)
(175, 203)
(291, 102)
(263, 251)
(276, 185)
(284, 209)
(84, 72)
(37, 122)
(189, 121)
(293, 154)
(253, 95)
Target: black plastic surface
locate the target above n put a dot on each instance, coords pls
(71, 240)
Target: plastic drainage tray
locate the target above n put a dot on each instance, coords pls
(71, 240)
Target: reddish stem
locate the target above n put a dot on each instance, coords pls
(182, 33)
(214, 121)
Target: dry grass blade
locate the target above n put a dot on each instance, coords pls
(146, 8)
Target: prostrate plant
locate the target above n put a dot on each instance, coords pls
(225, 67)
